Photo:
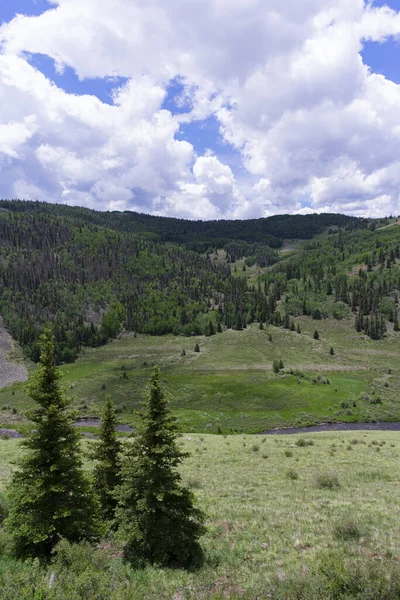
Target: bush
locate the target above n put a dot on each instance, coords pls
(292, 474)
(288, 453)
(255, 447)
(302, 442)
(338, 577)
(347, 530)
(328, 481)
(78, 558)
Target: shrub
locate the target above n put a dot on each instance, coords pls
(339, 577)
(292, 474)
(5, 436)
(193, 482)
(288, 453)
(347, 530)
(327, 481)
(302, 442)
(255, 447)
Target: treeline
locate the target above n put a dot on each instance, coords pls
(200, 236)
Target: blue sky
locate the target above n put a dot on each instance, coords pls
(285, 124)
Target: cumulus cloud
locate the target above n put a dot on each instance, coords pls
(312, 127)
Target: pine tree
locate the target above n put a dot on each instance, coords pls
(298, 329)
(211, 328)
(332, 352)
(50, 496)
(396, 325)
(107, 472)
(197, 348)
(281, 365)
(238, 322)
(156, 515)
(316, 335)
(219, 328)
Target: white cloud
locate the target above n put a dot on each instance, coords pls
(284, 79)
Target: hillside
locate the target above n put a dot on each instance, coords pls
(90, 274)
(327, 307)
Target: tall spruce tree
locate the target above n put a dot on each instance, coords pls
(50, 496)
(156, 513)
(107, 472)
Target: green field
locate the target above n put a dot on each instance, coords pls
(268, 519)
(229, 386)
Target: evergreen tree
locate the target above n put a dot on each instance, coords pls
(332, 352)
(281, 365)
(211, 328)
(261, 326)
(107, 473)
(156, 515)
(275, 366)
(396, 325)
(197, 348)
(219, 328)
(238, 322)
(298, 329)
(270, 337)
(50, 496)
(316, 335)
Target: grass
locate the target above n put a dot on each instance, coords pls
(265, 521)
(229, 385)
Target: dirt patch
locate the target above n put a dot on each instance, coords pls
(9, 372)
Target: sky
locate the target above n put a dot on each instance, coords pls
(202, 109)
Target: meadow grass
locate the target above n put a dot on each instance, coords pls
(268, 516)
(229, 385)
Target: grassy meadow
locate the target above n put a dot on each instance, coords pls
(276, 507)
(229, 386)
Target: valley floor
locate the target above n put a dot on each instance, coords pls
(229, 386)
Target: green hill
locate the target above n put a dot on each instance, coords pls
(327, 307)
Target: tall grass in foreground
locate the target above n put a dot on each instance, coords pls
(268, 535)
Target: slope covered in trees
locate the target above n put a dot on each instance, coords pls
(90, 273)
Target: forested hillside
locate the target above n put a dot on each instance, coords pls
(351, 269)
(91, 274)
